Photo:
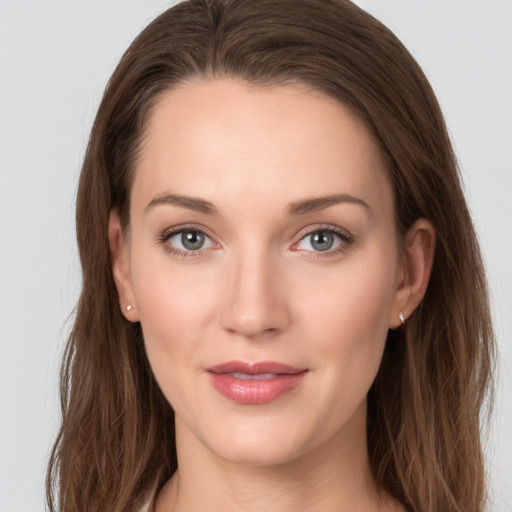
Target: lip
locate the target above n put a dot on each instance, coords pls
(254, 383)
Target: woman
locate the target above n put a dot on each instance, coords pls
(283, 301)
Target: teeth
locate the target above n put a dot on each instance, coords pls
(260, 376)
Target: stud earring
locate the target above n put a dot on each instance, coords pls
(401, 316)
(129, 307)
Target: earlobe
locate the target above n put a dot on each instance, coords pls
(121, 267)
(418, 258)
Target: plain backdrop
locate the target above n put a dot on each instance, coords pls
(55, 59)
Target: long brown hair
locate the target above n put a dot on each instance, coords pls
(116, 443)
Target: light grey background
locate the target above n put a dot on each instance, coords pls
(55, 58)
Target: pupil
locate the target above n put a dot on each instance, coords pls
(322, 241)
(192, 240)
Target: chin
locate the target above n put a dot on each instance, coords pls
(259, 443)
(258, 454)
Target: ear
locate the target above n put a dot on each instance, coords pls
(417, 260)
(121, 267)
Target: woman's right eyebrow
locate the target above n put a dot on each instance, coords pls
(191, 203)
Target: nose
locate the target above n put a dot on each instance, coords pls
(254, 298)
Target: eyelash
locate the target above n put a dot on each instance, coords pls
(346, 241)
(169, 233)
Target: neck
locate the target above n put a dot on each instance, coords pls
(334, 476)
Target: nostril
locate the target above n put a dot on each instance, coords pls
(266, 324)
(252, 305)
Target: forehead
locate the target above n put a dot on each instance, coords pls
(278, 142)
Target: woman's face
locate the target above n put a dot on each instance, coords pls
(262, 262)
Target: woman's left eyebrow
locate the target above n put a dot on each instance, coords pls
(314, 204)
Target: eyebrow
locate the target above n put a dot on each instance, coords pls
(191, 203)
(315, 204)
(302, 207)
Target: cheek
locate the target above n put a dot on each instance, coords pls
(354, 299)
(175, 309)
(344, 332)
(348, 314)
(170, 301)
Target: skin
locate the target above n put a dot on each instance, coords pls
(259, 290)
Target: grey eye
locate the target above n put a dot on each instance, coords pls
(190, 240)
(320, 241)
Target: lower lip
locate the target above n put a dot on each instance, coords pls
(252, 391)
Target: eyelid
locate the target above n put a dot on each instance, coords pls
(168, 233)
(346, 239)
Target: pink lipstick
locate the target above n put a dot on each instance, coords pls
(254, 383)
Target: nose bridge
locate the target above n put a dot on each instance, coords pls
(253, 302)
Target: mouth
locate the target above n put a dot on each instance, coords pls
(255, 383)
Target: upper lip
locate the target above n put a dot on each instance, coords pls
(255, 368)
